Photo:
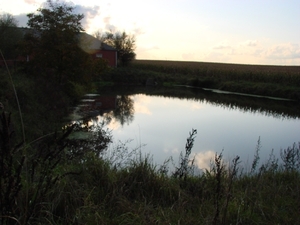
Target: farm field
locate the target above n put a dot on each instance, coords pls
(223, 66)
(266, 80)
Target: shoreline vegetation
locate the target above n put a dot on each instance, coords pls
(53, 179)
(263, 80)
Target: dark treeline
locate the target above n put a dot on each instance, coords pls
(271, 107)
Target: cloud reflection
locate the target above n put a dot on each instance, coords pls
(204, 159)
(196, 105)
(140, 104)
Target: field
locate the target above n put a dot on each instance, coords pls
(276, 81)
(241, 69)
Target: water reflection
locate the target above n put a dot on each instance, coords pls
(203, 159)
(124, 111)
(160, 119)
(119, 108)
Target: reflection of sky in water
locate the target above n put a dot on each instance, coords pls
(163, 125)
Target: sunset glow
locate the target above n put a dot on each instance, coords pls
(247, 32)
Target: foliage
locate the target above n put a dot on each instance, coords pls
(263, 80)
(57, 179)
(53, 44)
(9, 35)
(30, 172)
(185, 164)
(76, 182)
(124, 43)
(124, 111)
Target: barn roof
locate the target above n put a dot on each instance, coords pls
(86, 41)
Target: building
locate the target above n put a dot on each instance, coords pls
(98, 49)
(87, 42)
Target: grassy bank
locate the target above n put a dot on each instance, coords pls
(78, 182)
(275, 81)
(53, 179)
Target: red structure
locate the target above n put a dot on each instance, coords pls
(87, 43)
(97, 49)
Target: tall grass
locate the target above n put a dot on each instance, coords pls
(67, 181)
(129, 188)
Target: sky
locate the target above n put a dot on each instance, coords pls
(227, 31)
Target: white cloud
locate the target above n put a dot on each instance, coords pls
(196, 106)
(138, 31)
(203, 159)
(283, 51)
(146, 52)
(89, 12)
(106, 20)
(30, 2)
(222, 45)
(140, 104)
(249, 43)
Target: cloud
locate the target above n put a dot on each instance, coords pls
(142, 110)
(140, 104)
(222, 45)
(138, 31)
(147, 52)
(204, 159)
(196, 106)
(283, 51)
(30, 2)
(110, 27)
(249, 43)
(106, 20)
(89, 14)
(171, 149)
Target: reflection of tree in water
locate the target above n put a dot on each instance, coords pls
(124, 111)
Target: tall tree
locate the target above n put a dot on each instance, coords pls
(10, 35)
(54, 40)
(124, 43)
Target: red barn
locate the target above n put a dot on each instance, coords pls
(98, 49)
(87, 42)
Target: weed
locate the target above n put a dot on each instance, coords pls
(183, 170)
(291, 157)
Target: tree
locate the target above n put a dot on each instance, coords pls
(124, 112)
(54, 42)
(10, 35)
(124, 43)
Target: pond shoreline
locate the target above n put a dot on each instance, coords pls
(218, 91)
(271, 81)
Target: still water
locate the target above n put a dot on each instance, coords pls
(159, 121)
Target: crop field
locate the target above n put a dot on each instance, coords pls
(264, 80)
(255, 73)
(220, 66)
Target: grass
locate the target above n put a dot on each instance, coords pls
(275, 81)
(139, 194)
(69, 186)
(64, 181)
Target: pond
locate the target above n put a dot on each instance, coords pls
(158, 121)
